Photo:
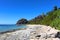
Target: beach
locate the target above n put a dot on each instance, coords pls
(32, 32)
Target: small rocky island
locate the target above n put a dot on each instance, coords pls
(22, 21)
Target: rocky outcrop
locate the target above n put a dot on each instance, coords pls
(22, 21)
(33, 32)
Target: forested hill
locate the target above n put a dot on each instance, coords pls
(51, 18)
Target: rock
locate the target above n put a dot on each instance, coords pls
(22, 21)
(38, 36)
(57, 35)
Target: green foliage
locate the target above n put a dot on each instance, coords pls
(55, 8)
(37, 20)
(51, 18)
(56, 22)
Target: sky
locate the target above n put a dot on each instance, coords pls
(13, 10)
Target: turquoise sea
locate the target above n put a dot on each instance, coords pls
(4, 28)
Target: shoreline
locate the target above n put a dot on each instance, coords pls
(28, 25)
(10, 31)
(32, 32)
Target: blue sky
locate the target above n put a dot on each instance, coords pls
(13, 10)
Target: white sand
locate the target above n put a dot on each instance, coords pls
(31, 32)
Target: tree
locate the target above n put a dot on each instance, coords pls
(43, 15)
(55, 8)
(59, 8)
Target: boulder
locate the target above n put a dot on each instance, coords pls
(57, 35)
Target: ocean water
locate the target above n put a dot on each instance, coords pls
(4, 28)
